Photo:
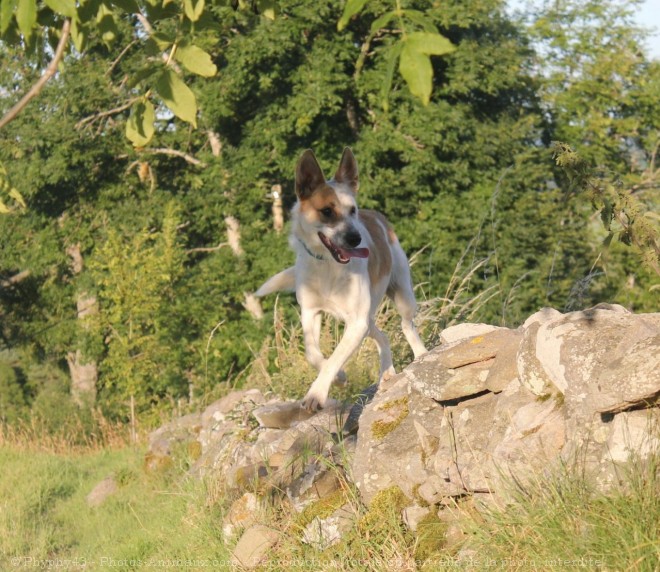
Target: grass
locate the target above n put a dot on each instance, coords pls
(550, 524)
(561, 521)
(173, 521)
(44, 515)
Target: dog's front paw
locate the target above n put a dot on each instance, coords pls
(314, 400)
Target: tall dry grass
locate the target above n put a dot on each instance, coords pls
(77, 436)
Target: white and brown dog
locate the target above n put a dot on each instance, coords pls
(347, 260)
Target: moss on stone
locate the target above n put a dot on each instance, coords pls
(385, 504)
(194, 450)
(418, 498)
(380, 428)
(321, 508)
(431, 536)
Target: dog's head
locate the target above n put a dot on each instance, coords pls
(327, 209)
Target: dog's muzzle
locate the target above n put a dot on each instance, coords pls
(344, 255)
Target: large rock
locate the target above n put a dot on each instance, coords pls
(463, 369)
(476, 415)
(488, 409)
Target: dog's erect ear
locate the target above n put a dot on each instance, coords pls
(347, 172)
(309, 175)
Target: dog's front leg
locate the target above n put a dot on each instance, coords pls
(311, 325)
(318, 393)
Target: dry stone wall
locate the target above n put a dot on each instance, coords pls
(490, 406)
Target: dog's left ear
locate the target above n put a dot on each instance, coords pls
(347, 172)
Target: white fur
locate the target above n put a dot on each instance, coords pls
(345, 291)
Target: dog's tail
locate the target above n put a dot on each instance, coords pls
(283, 281)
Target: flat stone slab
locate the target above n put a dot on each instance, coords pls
(463, 331)
(286, 414)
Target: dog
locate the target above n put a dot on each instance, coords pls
(347, 260)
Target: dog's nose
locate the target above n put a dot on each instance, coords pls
(353, 239)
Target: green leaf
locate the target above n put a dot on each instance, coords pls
(381, 22)
(140, 125)
(105, 20)
(26, 16)
(64, 7)
(352, 7)
(196, 60)
(430, 44)
(142, 74)
(14, 194)
(6, 13)
(391, 57)
(608, 240)
(268, 8)
(193, 9)
(78, 35)
(416, 69)
(163, 40)
(625, 236)
(177, 96)
(607, 213)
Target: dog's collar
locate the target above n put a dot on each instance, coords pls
(317, 256)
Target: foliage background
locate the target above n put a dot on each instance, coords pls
(468, 180)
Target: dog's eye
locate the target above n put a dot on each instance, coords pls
(327, 212)
(353, 211)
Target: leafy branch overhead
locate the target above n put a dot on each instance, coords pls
(170, 35)
(168, 32)
(418, 40)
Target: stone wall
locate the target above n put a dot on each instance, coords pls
(490, 406)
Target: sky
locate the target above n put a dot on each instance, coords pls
(648, 16)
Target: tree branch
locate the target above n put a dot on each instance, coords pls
(92, 118)
(15, 279)
(50, 72)
(173, 152)
(207, 249)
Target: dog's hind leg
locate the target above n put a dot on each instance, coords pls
(401, 292)
(384, 352)
(404, 300)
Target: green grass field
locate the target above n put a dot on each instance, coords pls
(44, 516)
(170, 521)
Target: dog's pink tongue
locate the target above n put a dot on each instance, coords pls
(354, 252)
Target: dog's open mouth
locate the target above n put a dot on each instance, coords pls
(343, 255)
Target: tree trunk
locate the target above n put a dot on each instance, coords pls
(84, 373)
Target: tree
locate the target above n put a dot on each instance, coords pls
(171, 34)
(172, 236)
(601, 96)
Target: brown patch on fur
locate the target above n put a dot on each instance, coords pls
(320, 199)
(380, 256)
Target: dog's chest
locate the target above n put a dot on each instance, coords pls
(340, 293)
